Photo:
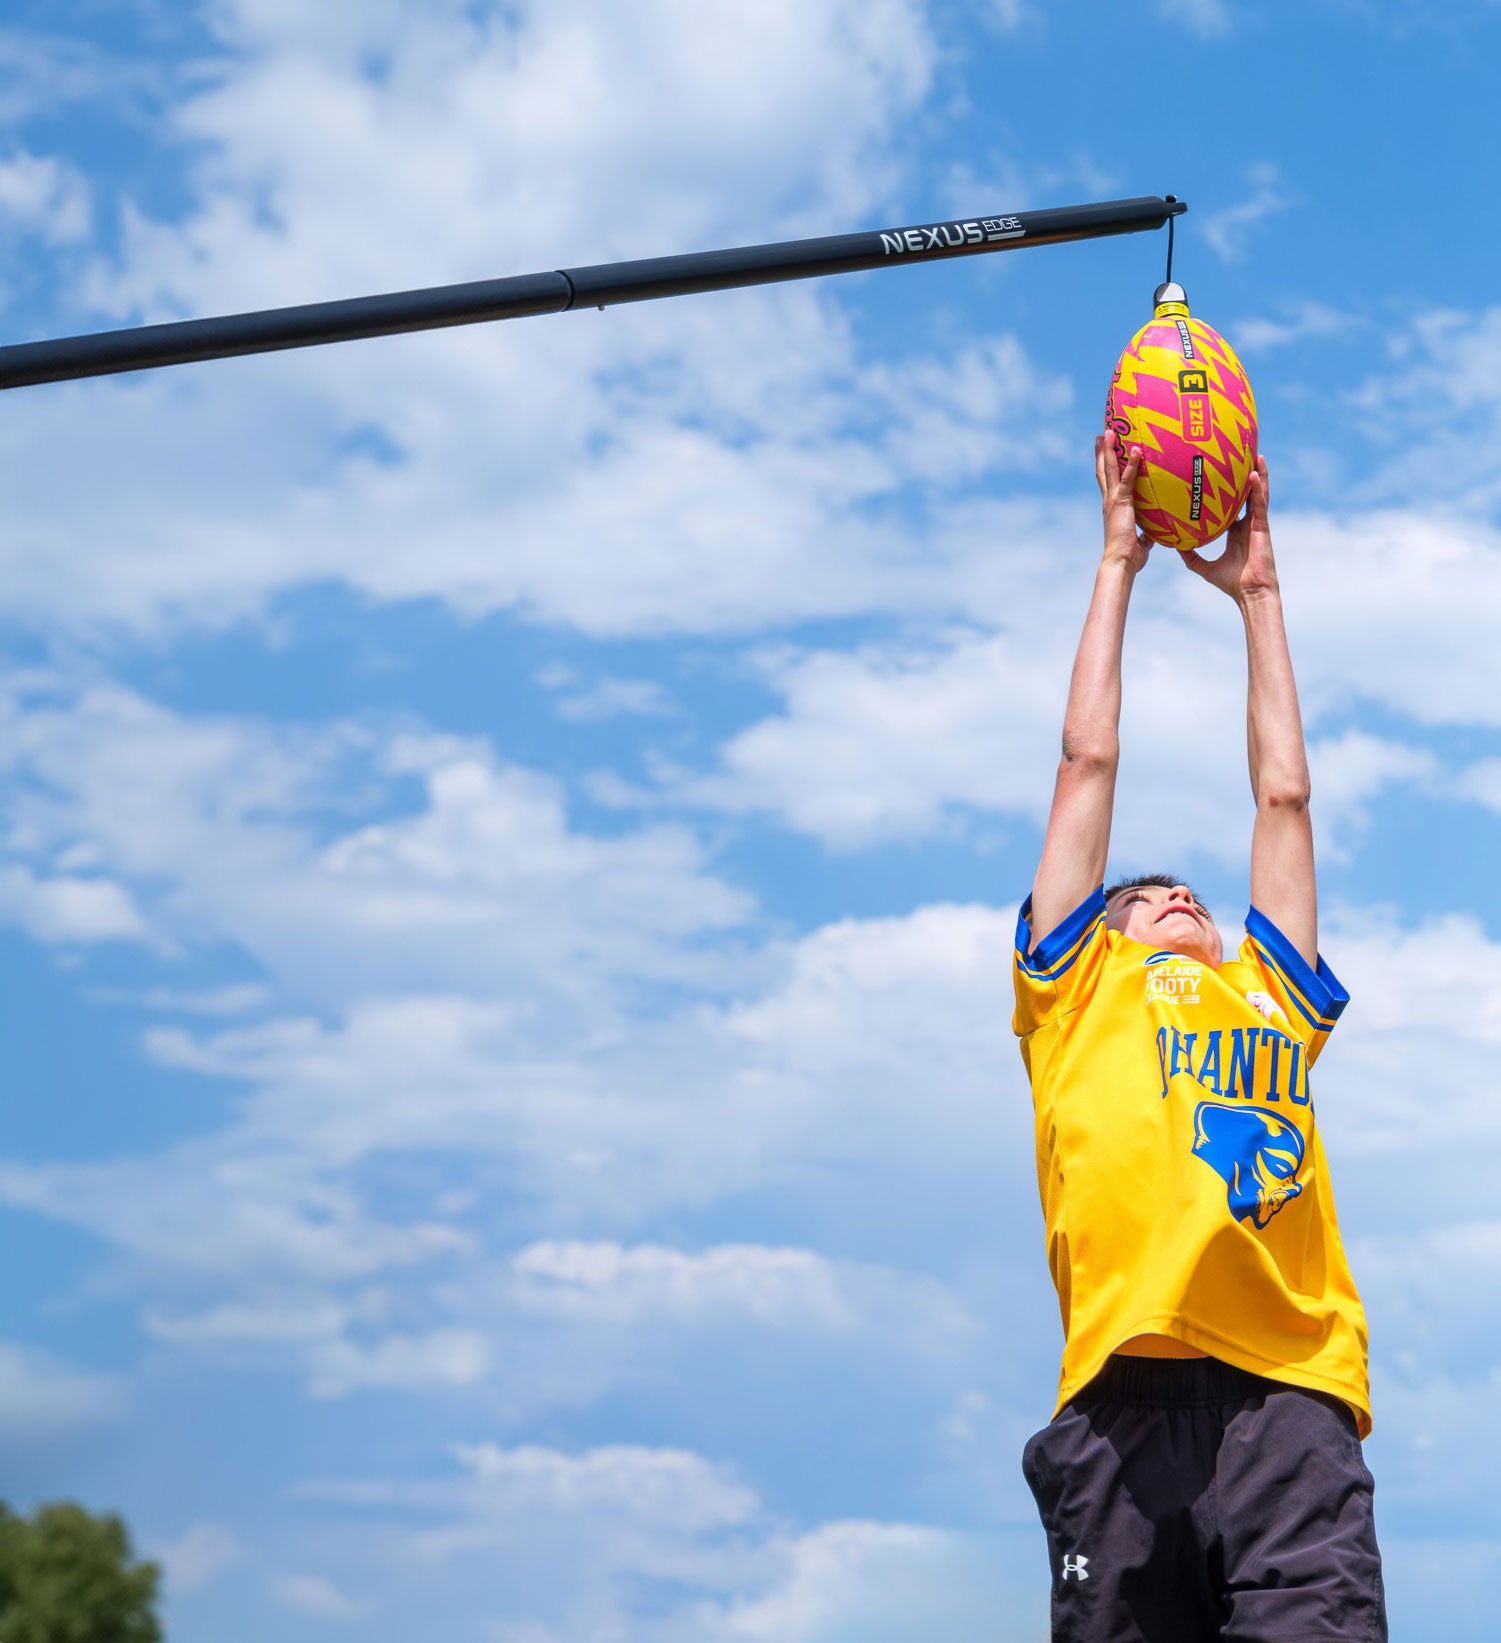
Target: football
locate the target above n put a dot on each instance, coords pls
(1182, 395)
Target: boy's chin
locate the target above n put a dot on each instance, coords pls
(1190, 943)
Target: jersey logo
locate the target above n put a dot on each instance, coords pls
(1265, 1003)
(1173, 979)
(1257, 1154)
(1076, 1564)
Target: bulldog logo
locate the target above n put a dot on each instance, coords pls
(1257, 1154)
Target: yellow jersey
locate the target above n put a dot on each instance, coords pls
(1184, 1186)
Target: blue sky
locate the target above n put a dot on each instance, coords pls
(511, 836)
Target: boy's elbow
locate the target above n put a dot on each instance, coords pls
(1288, 798)
(1086, 755)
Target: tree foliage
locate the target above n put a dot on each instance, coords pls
(69, 1576)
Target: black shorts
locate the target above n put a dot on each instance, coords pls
(1185, 1500)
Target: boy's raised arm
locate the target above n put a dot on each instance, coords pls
(1282, 871)
(1078, 835)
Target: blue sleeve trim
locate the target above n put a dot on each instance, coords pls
(1058, 949)
(1319, 994)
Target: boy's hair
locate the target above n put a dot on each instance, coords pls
(1147, 881)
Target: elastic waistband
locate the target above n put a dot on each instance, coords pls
(1175, 1383)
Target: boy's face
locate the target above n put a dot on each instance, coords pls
(1169, 920)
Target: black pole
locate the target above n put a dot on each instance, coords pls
(143, 347)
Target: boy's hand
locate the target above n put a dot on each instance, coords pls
(1246, 569)
(1123, 542)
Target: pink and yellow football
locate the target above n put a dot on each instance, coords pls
(1181, 394)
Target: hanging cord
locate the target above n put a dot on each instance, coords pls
(1170, 222)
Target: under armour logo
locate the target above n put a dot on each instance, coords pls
(1075, 1564)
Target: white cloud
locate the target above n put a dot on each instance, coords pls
(41, 1396)
(1208, 18)
(494, 850)
(907, 740)
(41, 195)
(1434, 407)
(782, 1288)
(681, 468)
(1411, 977)
(604, 1511)
(1374, 635)
(243, 998)
(444, 1358)
(613, 1516)
(867, 1017)
(288, 1318)
(1481, 782)
(1435, 1470)
(210, 1211)
(1425, 1565)
(1391, 1112)
(316, 1596)
(673, 1489)
(1227, 230)
(879, 1582)
(66, 909)
(557, 1323)
(539, 121)
(605, 698)
(1000, 183)
(916, 994)
(198, 1556)
(1300, 323)
(889, 741)
(472, 960)
(257, 1243)
(486, 886)
(43, 74)
(884, 741)
(1349, 772)
(627, 1284)
(261, 1241)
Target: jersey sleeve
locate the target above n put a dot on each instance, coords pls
(1311, 998)
(1061, 972)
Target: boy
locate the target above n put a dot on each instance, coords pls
(1202, 1477)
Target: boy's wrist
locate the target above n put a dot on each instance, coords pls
(1266, 596)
